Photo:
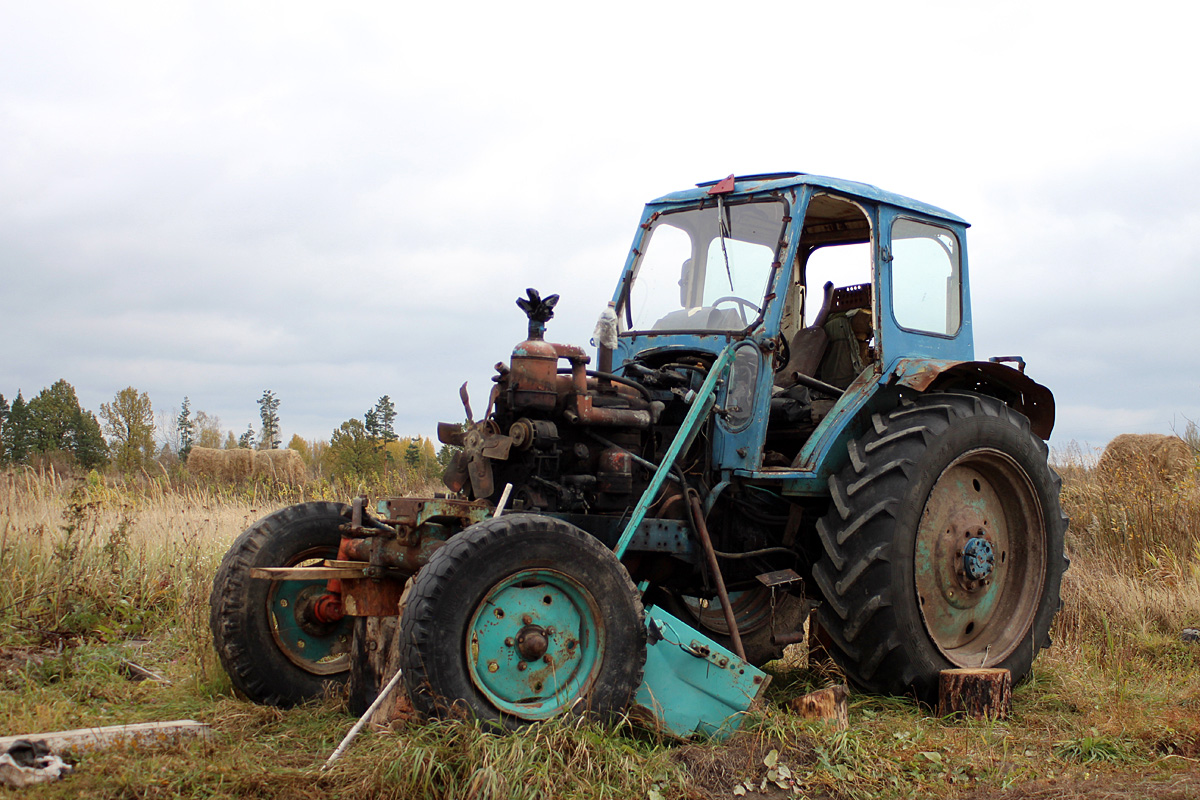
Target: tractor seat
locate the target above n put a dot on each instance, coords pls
(807, 346)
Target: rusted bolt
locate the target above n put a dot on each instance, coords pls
(509, 642)
(372, 645)
(283, 603)
(522, 666)
(549, 659)
(528, 620)
(300, 643)
(493, 666)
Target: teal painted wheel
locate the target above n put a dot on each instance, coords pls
(534, 643)
(522, 618)
(320, 648)
(266, 637)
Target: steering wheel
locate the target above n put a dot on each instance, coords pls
(742, 304)
(783, 355)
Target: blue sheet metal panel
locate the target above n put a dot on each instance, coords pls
(866, 191)
(692, 685)
(825, 451)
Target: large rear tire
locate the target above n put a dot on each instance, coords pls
(521, 618)
(274, 652)
(943, 546)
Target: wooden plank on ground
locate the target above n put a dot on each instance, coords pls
(306, 573)
(144, 733)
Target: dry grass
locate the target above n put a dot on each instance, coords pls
(95, 573)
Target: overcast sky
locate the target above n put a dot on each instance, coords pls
(337, 202)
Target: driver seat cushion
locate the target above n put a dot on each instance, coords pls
(808, 346)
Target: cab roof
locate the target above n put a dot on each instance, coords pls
(752, 184)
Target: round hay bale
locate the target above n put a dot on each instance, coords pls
(205, 462)
(1142, 456)
(285, 466)
(239, 464)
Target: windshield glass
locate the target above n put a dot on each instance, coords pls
(689, 277)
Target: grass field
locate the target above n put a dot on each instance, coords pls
(95, 575)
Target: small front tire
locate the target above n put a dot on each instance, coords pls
(521, 618)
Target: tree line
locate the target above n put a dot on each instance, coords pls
(54, 428)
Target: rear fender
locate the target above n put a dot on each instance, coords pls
(1011, 387)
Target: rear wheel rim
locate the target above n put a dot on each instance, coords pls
(534, 644)
(980, 558)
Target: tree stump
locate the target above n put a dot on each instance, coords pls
(976, 693)
(827, 704)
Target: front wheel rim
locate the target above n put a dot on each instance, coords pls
(980, 558)
(534, 644)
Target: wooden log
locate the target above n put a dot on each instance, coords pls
(143, 733)
(976, 693)
(827, 704)
(374, 659)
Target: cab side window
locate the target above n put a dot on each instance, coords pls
(926, 278)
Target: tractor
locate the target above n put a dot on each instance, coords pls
(784, 415)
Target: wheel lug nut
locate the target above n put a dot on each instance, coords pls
(493, 666)
(522, 666)
(509, 642)
(528, 620)
(548, 659)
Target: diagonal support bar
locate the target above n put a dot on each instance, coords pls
(702, 405)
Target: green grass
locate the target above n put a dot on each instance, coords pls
(93, 576)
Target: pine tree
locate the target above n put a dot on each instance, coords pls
(90, 449)
(246, 440)
(185, 429)
(17, 437)
(412, 454)
(380, 421)
(268, 406)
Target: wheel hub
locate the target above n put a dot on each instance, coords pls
(979, 559)
(532, 642)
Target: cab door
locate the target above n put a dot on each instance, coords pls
(925, 310)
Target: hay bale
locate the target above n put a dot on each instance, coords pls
(239, 464)
(1134, 456)
(205, 462)
(285, 466)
